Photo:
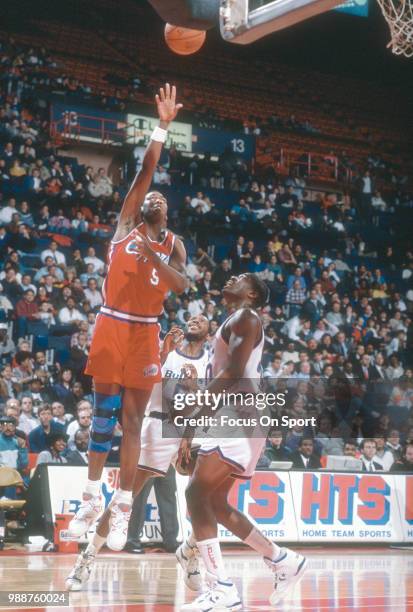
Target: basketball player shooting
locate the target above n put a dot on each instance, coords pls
(145, 261)
(182, 351)
(236, 360)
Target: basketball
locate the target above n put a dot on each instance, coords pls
(184, 41)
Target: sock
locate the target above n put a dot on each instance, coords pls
(262, 545)
(97, 542)
(123, 497)
(189, 545)
(93, 487)
(210, 552)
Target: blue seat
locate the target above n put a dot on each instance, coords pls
(37, 328)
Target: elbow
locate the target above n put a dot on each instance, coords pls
(181, 285)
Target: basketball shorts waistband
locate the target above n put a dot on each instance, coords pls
(127, 317)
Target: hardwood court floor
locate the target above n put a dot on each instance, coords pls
(336, 579)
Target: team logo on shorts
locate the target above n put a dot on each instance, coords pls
(151, 370)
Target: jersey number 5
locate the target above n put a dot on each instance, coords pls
(154, 280)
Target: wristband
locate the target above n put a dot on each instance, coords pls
(159, 134)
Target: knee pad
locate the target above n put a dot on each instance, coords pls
(104, 422)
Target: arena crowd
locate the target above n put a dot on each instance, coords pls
(338, 326)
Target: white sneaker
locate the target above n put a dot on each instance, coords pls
(287, 571)
(119, 520)
(222, 596)
(190, 565)
(89, 510)
(81, 571)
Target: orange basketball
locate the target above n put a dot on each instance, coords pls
(183, 41)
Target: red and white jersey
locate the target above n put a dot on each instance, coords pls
(132, 290)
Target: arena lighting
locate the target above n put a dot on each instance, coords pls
(195, 14)
(243, 21)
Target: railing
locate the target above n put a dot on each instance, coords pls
(73, 127)
(315, 165)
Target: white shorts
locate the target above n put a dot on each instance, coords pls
(242, 453)
(157, 453)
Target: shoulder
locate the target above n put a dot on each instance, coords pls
(244, 319)
(177, 244)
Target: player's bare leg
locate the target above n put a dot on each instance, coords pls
(84, 563)
(286, 565)
(107, 401)
(134, 402)
(209, 474)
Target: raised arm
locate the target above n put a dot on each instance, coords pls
(130, 215)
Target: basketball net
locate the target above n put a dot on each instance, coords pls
(399, 16)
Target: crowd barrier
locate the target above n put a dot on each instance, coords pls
(287, 506)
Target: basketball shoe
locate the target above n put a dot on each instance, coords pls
(188, 560)
(119, 520)
(222, 596)
(287, 570)
(81, 571)
(89, 510)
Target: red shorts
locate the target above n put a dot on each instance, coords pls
(125, 353)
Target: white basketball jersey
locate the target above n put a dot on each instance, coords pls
(219, 356)
(172, 370)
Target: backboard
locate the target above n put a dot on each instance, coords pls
(244, 21)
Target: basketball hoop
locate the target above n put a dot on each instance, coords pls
(399, 16)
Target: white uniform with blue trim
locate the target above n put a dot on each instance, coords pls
(242, 452)
(158, 452)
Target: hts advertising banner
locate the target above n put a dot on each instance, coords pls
(347, 507)
(404, 487)
(286, 506)
(266, 498)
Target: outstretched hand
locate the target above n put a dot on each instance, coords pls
(173, 339)
(166, 103)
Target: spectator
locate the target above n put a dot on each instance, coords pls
(57, 256)
(59, 414)
(405, 464)
(79, 454)
(82, 423)
(7, 346)
(275, 449)
(26, 310)
(101, 185)
(38, 436)
(27, 421)
(368, 449)
(98, 264)
(305, 458)
(161, 177)
(393, 444)
(13, 451)
(23, 372)
(350, 448)
(383, 456)
(69, 314)
(6, 383)
(62, 390)
(92, 294)
(56, 446)
(296, 296)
